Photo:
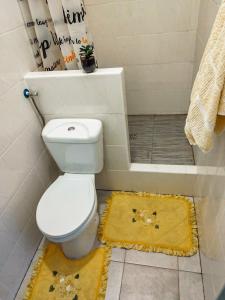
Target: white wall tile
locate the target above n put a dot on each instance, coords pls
(21, 147)
(30, 145)
(11, 12)
(10, 179)
(22, 290)
(17, 264)
(159, 88)
(22, 205)
(19, 109)
(142, 17)
(8, 242)
(164, 52)
(5, 293)
(16, 164)
(31, 236)
(16, 58)
(116, 158)
(158, 76)
(200, 47)
(145, 33)
(207, 14)
(46, 169)
(3, 202)
(153, 101)
(146, 49)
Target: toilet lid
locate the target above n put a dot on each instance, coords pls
(66, 205)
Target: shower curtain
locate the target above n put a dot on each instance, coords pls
(56, 30)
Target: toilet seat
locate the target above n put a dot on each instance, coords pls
(66, 206)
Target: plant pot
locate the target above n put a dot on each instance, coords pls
(88, 64)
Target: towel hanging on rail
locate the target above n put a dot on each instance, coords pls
(206, 113)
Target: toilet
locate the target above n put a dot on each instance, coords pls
(67, 212)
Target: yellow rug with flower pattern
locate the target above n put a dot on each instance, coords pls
(148, 222)
(56, 277)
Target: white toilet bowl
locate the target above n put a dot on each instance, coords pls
(67, 214)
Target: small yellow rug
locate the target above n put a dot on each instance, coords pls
(150, 222)
(55, 277)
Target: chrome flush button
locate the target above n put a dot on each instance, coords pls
(71, 128)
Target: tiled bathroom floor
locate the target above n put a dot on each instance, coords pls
(159, 139)
(136, 275)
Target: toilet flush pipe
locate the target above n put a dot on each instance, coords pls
(29, 95)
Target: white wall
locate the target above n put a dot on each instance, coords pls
(207, 13)
(211, 204)
(101, 95)
(25, 168)
(154, 40)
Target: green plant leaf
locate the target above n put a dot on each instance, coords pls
(87, 50)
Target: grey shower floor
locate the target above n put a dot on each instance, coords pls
(159, 139)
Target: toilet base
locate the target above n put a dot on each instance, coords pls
(82, 244)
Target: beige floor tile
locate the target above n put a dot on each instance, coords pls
(114, 281)
(191, 264)
(151, 259)
(148, 283)
(118, 254)
(101, 208)
(103, 195)
(44, 243)
(191, 287)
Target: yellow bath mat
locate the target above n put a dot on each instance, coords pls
(150, 222)
(57, 278)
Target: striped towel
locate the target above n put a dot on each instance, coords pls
(206, 113)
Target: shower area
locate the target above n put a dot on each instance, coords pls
(159, 139)
(155, 42)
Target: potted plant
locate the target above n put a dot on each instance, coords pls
(87, 58)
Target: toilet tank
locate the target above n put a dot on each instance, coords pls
(75, 144)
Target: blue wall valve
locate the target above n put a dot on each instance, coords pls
(27, 93)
